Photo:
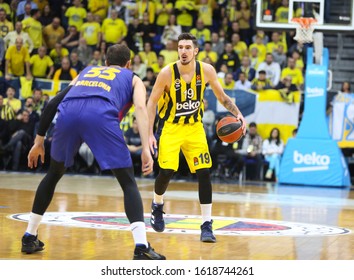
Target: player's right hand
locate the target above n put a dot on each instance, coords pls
(34, 153)
(147, 163)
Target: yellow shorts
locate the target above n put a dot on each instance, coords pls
(191, 139)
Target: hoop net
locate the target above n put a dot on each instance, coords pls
(304, 29)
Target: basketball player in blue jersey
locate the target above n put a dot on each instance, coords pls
(178, 92)
(90, 110)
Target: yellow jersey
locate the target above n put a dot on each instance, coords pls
(40, 65)
(295, 74)
(163, 16)
(17, 60)
(34, 29)
(5, 27)
(281, 14)
(271, 47)
(183, 104)
(98, 7)
(90, 31)
(114, 30)
(76, 16)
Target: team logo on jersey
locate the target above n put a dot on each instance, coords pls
(177, 84)
(188, 224)
(199, 80)
(195, 160)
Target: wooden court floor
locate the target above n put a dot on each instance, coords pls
(254, 221)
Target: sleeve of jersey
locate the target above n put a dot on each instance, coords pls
(50, 111)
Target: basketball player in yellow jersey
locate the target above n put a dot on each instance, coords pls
(179, 92)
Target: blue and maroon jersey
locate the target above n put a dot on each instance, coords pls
(111, 83)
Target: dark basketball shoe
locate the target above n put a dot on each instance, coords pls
(156, 220)
(31, 244)
(207, 232)
(147, 254)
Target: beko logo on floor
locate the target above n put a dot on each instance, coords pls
(312, 162)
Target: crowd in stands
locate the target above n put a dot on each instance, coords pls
(56, 39)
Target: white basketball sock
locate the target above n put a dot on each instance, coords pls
(206, 212)
(33, 223)
(139, 233)
(158, 199)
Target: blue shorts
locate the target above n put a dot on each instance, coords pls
(95, 122)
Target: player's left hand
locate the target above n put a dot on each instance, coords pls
(153, 145)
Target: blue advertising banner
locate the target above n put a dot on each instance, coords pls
(313, 162)
(313, 157)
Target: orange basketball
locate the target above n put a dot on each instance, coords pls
(229, 129)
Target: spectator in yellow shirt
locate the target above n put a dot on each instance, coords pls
(148, 56)
(98, 8)
(114, 29)
(53, 33)
(33, 27)
(243, 16)
(57, 54)
(170, 54)
(157, 67)
(295, 73)
(275, 42)
(262, 50)
(91, 31)
(11, 101)
(6, 114)
(228, 82)
(281, 14)
(208, 52)
(5, 25)
(76, 14)
(65, 72)
(261, 83)
(16, 59)
(185, 11)
(164, 9)
(6, 7)
(299, 63)
(42, 65)
(205, 12)
(41, 4)
(143, 6)
(240, 47)
(201, 33)
(254, 58)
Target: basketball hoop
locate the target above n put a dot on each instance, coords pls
(304, 29)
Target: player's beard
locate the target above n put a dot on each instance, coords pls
(186, 62)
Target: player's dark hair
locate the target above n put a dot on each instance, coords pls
(118, 54)
(188, 36)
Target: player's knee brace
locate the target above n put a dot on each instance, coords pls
(204, 185)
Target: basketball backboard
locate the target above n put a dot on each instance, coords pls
(334, 15)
